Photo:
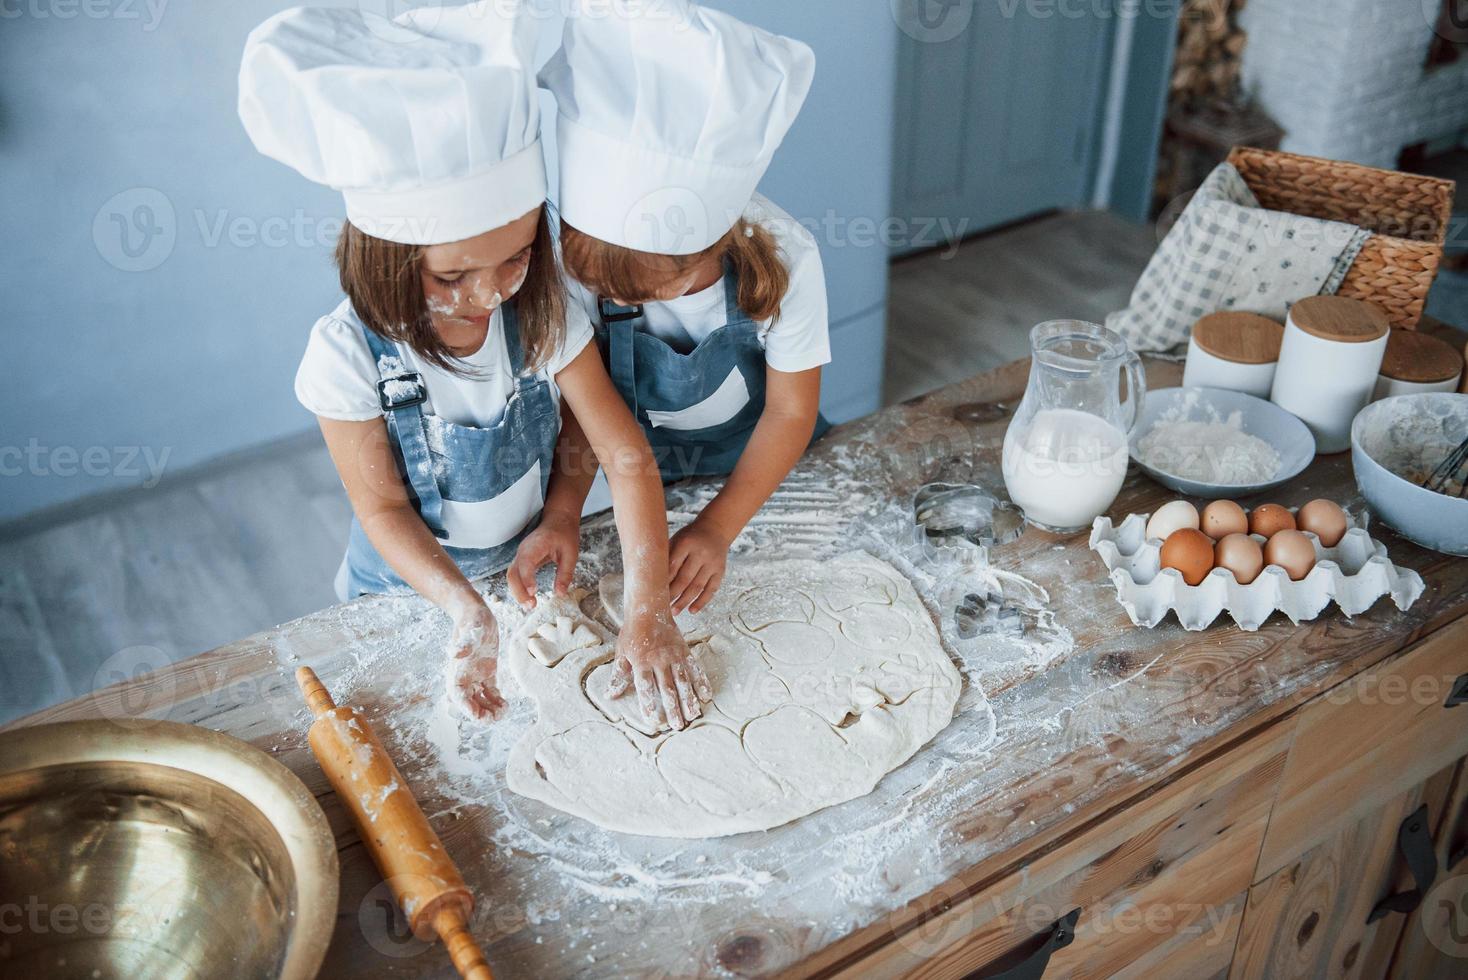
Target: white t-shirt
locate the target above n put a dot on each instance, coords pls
(338, 377)
(798, 341)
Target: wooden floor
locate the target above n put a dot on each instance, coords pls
(140, 579)
(112, 587)
(952, 317)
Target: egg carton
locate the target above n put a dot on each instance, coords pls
(1353, 574)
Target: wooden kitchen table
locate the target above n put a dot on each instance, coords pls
(1208, 804)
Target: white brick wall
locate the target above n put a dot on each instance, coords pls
(1346, 78)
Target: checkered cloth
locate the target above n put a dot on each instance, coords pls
(1227, 253)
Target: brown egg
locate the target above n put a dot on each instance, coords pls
(1267, 520)
(1325, 519)
(1292, 551)
(1190, 552)
(1241, 555)
(1222, 518)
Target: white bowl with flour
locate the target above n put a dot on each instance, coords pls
(1213, 443)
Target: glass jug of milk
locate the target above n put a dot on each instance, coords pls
(1066, 449)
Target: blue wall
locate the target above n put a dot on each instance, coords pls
(160, 276)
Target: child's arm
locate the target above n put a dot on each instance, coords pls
(558, 537)
(651, 654)
(700, 550)
(364, 459)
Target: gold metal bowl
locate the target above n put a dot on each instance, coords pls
(164, 850)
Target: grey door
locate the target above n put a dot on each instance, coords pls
(998, 103)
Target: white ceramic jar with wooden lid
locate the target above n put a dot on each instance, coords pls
(1416, 363)
(1237, 351)
(1328, 364)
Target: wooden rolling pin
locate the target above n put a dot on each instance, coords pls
(404, 847)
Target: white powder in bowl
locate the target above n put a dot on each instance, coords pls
(1219, 453)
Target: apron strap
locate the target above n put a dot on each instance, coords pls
(510, 321)
(401, 393)
(620, 324)
(732, 312)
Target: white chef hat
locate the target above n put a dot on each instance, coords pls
(668, 117)
(429, 124)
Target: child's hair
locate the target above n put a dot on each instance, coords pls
(383, 280)
(632, 276)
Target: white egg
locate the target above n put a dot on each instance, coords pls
(1170, 517)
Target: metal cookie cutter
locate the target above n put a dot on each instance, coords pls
(966, 512)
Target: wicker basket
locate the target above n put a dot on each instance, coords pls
(1408, 215)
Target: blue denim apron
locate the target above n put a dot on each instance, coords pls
(480, 491)
(697, 409)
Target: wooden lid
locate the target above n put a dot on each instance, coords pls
(1244, 338)
(1348, 321)
(1420, 358)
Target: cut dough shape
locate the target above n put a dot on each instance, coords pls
(555, 639)
(708, 767)
(796, 643)
(826, 676)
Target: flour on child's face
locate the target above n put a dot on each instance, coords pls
(465, 282)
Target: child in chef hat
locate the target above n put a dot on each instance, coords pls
(709, 301)
(438, 381)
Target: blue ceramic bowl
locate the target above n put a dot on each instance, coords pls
(1395, 443)
(1290, 437)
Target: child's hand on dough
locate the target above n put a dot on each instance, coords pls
(473, 659)
(557, 539)
(697, 555)
(653, 657)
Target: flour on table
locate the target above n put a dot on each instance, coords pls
(1213, 450)
(826, 676)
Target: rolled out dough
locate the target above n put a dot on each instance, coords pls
(826, 676)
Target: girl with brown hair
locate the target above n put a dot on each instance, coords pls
(442, 380)
(709, 301)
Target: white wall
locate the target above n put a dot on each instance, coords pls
(1346, 78)
(173, 336)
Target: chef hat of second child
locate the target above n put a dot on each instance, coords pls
(429, 124)
(669, 115)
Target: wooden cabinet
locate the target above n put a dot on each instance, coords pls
(1313, 917)
(1364, 743)
(1434, 943)
(1160, 886)
(1267, 861)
